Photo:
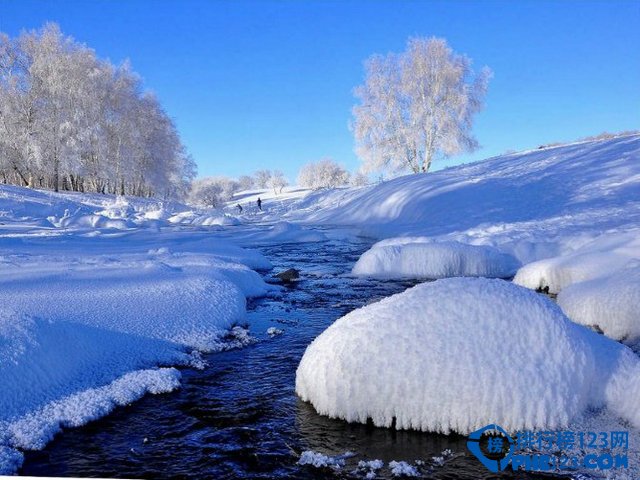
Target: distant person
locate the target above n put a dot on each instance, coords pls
(239, 208)
(259, 203)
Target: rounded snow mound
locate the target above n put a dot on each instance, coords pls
(453, 355)
(421, 258)
(610, 304)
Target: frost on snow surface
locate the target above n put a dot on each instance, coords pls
(421, 258)
(610, 304)
(457, 354)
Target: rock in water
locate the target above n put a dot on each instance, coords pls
(289, 275)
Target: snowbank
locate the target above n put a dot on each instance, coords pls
(601, 257)
(81, 335)
(88, 211)
(457, 354)
(534, 205)
(206, 219)
(610, 304)
(421, 258)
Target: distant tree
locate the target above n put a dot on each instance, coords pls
(417, 106)
(212, 191)
(245, 182)
(277, 182)
(359, 180)
(323, 174)
(262, 178)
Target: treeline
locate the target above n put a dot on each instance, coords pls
(71, 121)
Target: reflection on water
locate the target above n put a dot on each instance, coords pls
(240, 417)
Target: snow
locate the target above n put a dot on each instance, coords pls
(457, 354)
(101, 295)
(610, 304)
(403, 469)
(279, 234)
(534, 204)
(273, 331)
(421, 258)
(601, 257)
(320, 460)
(575, 208)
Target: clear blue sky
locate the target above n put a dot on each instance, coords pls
(269, 84)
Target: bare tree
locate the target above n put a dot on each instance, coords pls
(417, 106)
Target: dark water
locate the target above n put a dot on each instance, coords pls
(240, 417)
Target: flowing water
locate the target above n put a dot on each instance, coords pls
(240, 417)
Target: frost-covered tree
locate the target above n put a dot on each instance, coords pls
(359, 180)
(262, 178)
(323, 174)
(245, 182)
(277, 182)
(69, 120)
(417, 106)
(212, 191)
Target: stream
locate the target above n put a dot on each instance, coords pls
(240, 417)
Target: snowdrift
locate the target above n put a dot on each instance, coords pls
(81, 335)
(604, 256)
(407, 257)
(535, 204)
(610, 304)
(457, 354)
(100, 302)
(89, 211)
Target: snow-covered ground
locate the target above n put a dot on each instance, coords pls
(567, 214)
(101, 297)
(534, 204)
(104, 296)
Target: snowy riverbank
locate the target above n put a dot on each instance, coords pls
(104, 295)
(101, 296)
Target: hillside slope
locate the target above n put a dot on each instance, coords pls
(554, 198)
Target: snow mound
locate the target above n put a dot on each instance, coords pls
(601, 257)
(422, 258)
(151, 301)
(610, 304)
(81, 335)
(190, 217)
(457, 354)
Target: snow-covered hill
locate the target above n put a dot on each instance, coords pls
(537, 203)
